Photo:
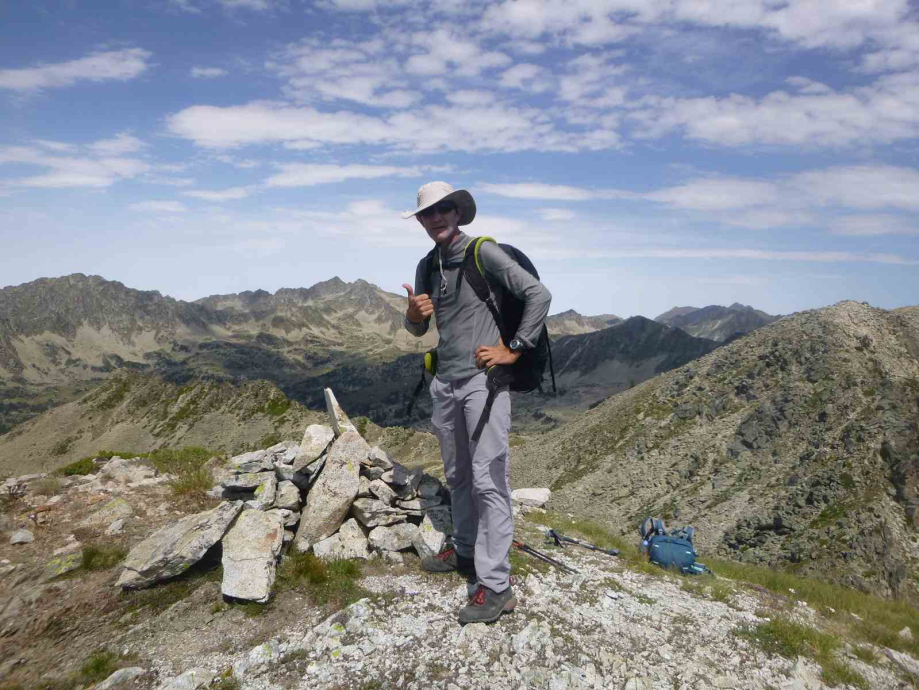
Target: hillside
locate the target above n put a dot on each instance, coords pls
(795, 446)
(59, 337)
(716, 322)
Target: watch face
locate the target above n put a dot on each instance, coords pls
(516, 344)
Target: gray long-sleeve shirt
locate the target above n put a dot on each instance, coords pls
(463, 321)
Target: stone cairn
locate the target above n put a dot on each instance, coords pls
(333, 494)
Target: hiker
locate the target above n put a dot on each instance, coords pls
(478, 472)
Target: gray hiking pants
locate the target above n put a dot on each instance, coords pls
(478, 474)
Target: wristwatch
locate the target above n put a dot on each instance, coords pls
(516, 345)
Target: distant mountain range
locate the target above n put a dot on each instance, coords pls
(60, 337)
(716, 322)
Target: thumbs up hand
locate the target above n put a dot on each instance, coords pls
(420, 307)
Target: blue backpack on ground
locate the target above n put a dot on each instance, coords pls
(673, 551)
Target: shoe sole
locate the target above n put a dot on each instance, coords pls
(509, 606)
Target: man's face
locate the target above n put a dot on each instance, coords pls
(441, 221)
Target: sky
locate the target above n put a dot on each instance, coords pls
(643, 153)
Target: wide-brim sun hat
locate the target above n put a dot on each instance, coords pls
(435, 192)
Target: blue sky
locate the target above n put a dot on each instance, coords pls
(644, 153)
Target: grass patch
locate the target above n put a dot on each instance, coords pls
(866, 655)
(99, 666)
(333, 582)
(101, 557)
(522, 564)
(878, 620)
(791, 640)
(47, 486)
(276, 408)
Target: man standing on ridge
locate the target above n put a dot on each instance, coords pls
(478, 472)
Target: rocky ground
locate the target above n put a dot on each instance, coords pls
(608, 626)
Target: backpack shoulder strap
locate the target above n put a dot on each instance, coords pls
(430, 259)
(474, 273)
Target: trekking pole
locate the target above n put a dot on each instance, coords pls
(543, 557)
(561, 539)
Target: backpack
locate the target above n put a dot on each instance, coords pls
(526, 373)
(673, 551)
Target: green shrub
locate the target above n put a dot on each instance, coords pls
(100, 665)
(62, 447)
(276, 408)
(80, 467)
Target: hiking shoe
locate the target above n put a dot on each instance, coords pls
(448, 561)
(486, 605)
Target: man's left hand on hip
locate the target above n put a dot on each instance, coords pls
(490, 356)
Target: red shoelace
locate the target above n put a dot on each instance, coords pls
(478, 599)
(444, 555)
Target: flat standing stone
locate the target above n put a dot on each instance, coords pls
(428, 541)
(340, 422)
(173, 549)
(334, 491)
(250, 553)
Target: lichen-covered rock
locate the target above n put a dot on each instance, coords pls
(348, 542)
(419, 503)
(429, 486)
(256, 461)
(379, 458)
(265, 493)
(395, 538)
(172, 550)
(316, 440)
(247, 481)
(128, 470)
(381, 490)
(113, 510)
(250, 553)
(331, 496)
(441, 518)
(22, 536)
(373, 513)
(428, 541)
(288, 496)
(61, 565)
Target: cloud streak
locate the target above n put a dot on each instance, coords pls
(114, 65)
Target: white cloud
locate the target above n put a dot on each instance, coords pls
(170, 181)
(470, 97)
(70, 171)
(550, 192)
(115, 65)
(446, 50)
(556, 214)
(120, 144)
(56, 146)
(525, 76)
(861, 186)
(873, 225)
(257, 5)
(717, 194)
(307, 175)
(207, 72)
(883, 112)
(360, 71)
(220, 195)
(158, 207)
(497, 127)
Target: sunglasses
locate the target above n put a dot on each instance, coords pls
(443, 208)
